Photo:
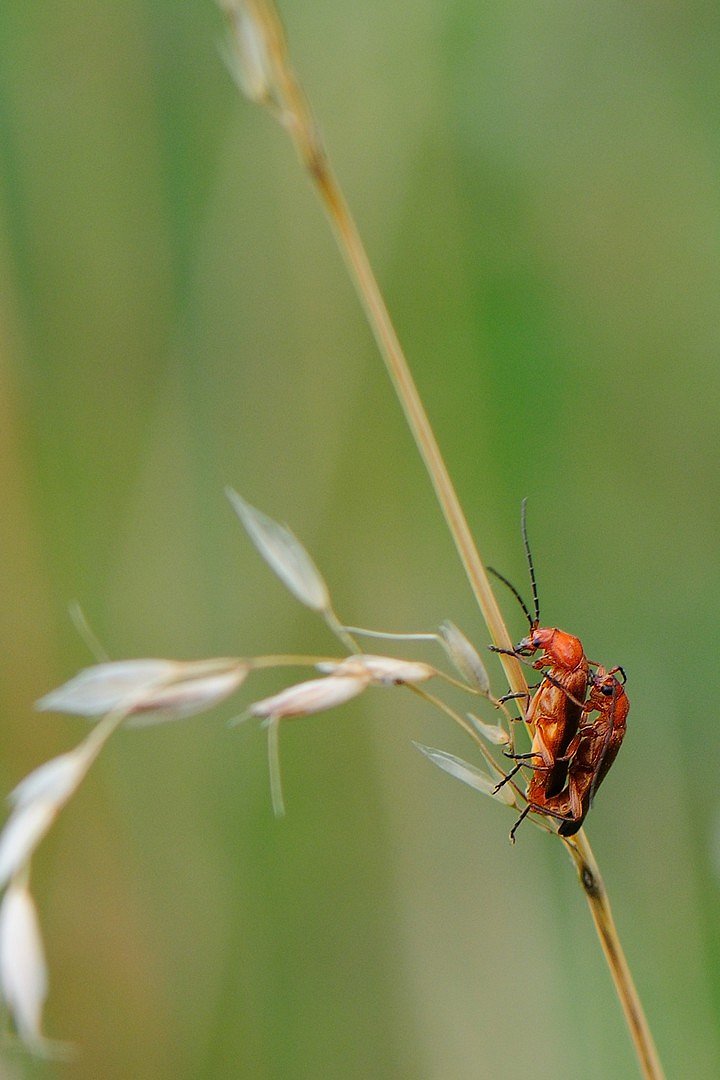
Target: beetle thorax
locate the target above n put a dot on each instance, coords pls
(562, 650)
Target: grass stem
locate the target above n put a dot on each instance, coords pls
(282, 92)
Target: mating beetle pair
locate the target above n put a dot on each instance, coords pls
(572, 750)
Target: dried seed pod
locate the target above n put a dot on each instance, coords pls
(150, 690)
(465, 657)
(23, 972)
(313, 696)
(284, 553)
(383, 670)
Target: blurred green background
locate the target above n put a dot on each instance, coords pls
(538, 189)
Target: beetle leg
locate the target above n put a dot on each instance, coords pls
(534, 808)
(519, 822)
(509, 776)
(515, 696)
(526, 759)
(511, 697)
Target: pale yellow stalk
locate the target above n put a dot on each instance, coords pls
(257, 29)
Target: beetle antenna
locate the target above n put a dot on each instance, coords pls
(513, 590)
(528, 556)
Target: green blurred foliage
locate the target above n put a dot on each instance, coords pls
(537, 186)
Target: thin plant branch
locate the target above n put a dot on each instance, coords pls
(266, 75)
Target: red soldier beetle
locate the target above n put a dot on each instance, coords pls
(590, 754)
(554, 712)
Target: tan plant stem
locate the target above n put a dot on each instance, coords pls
(277, 87)
(599, 904)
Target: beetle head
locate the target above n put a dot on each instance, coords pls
(560, 649)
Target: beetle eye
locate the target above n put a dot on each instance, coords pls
(607, 691)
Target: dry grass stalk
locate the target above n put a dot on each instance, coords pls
(261, 51)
